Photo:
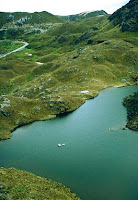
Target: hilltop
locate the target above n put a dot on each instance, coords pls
(85, 15)
(13, 25)
(22, 18)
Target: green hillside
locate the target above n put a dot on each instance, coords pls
(22, 18)
(51, 75)
(15, 25)
(29, 186)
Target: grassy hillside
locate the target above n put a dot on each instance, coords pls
(17, 184)
(8, 45)
(131, 103)
(22, 18)
(89, 54)
(15, 25)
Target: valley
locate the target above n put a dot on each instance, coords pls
(64, 61)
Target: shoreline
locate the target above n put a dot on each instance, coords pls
(50, 117)
(24, 184)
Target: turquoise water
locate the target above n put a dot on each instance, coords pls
(97, 164)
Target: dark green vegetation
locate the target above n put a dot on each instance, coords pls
(70, 58)
(127, 16)
(17, 184)
(131, 103)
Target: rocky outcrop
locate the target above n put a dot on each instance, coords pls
(131, 104)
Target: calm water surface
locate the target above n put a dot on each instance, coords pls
(97, 164)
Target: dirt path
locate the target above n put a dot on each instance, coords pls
(16, 50)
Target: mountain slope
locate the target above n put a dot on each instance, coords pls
(127, 16)
(18, 184)
(21, 18)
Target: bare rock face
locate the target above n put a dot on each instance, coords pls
(126, 17)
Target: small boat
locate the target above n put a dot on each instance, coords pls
(60, 145)
(110, 129)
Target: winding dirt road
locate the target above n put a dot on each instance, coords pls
(16, 50)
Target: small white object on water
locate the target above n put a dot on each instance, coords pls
(60, 145)
(110, 129)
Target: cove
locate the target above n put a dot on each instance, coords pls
(97, 164)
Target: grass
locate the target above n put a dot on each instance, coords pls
(17, 184)
(8, 45)
(62, 64)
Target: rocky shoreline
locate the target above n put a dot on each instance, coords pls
(131, 104)
(68, 107)
(18, 184)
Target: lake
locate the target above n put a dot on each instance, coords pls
(96, 163)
